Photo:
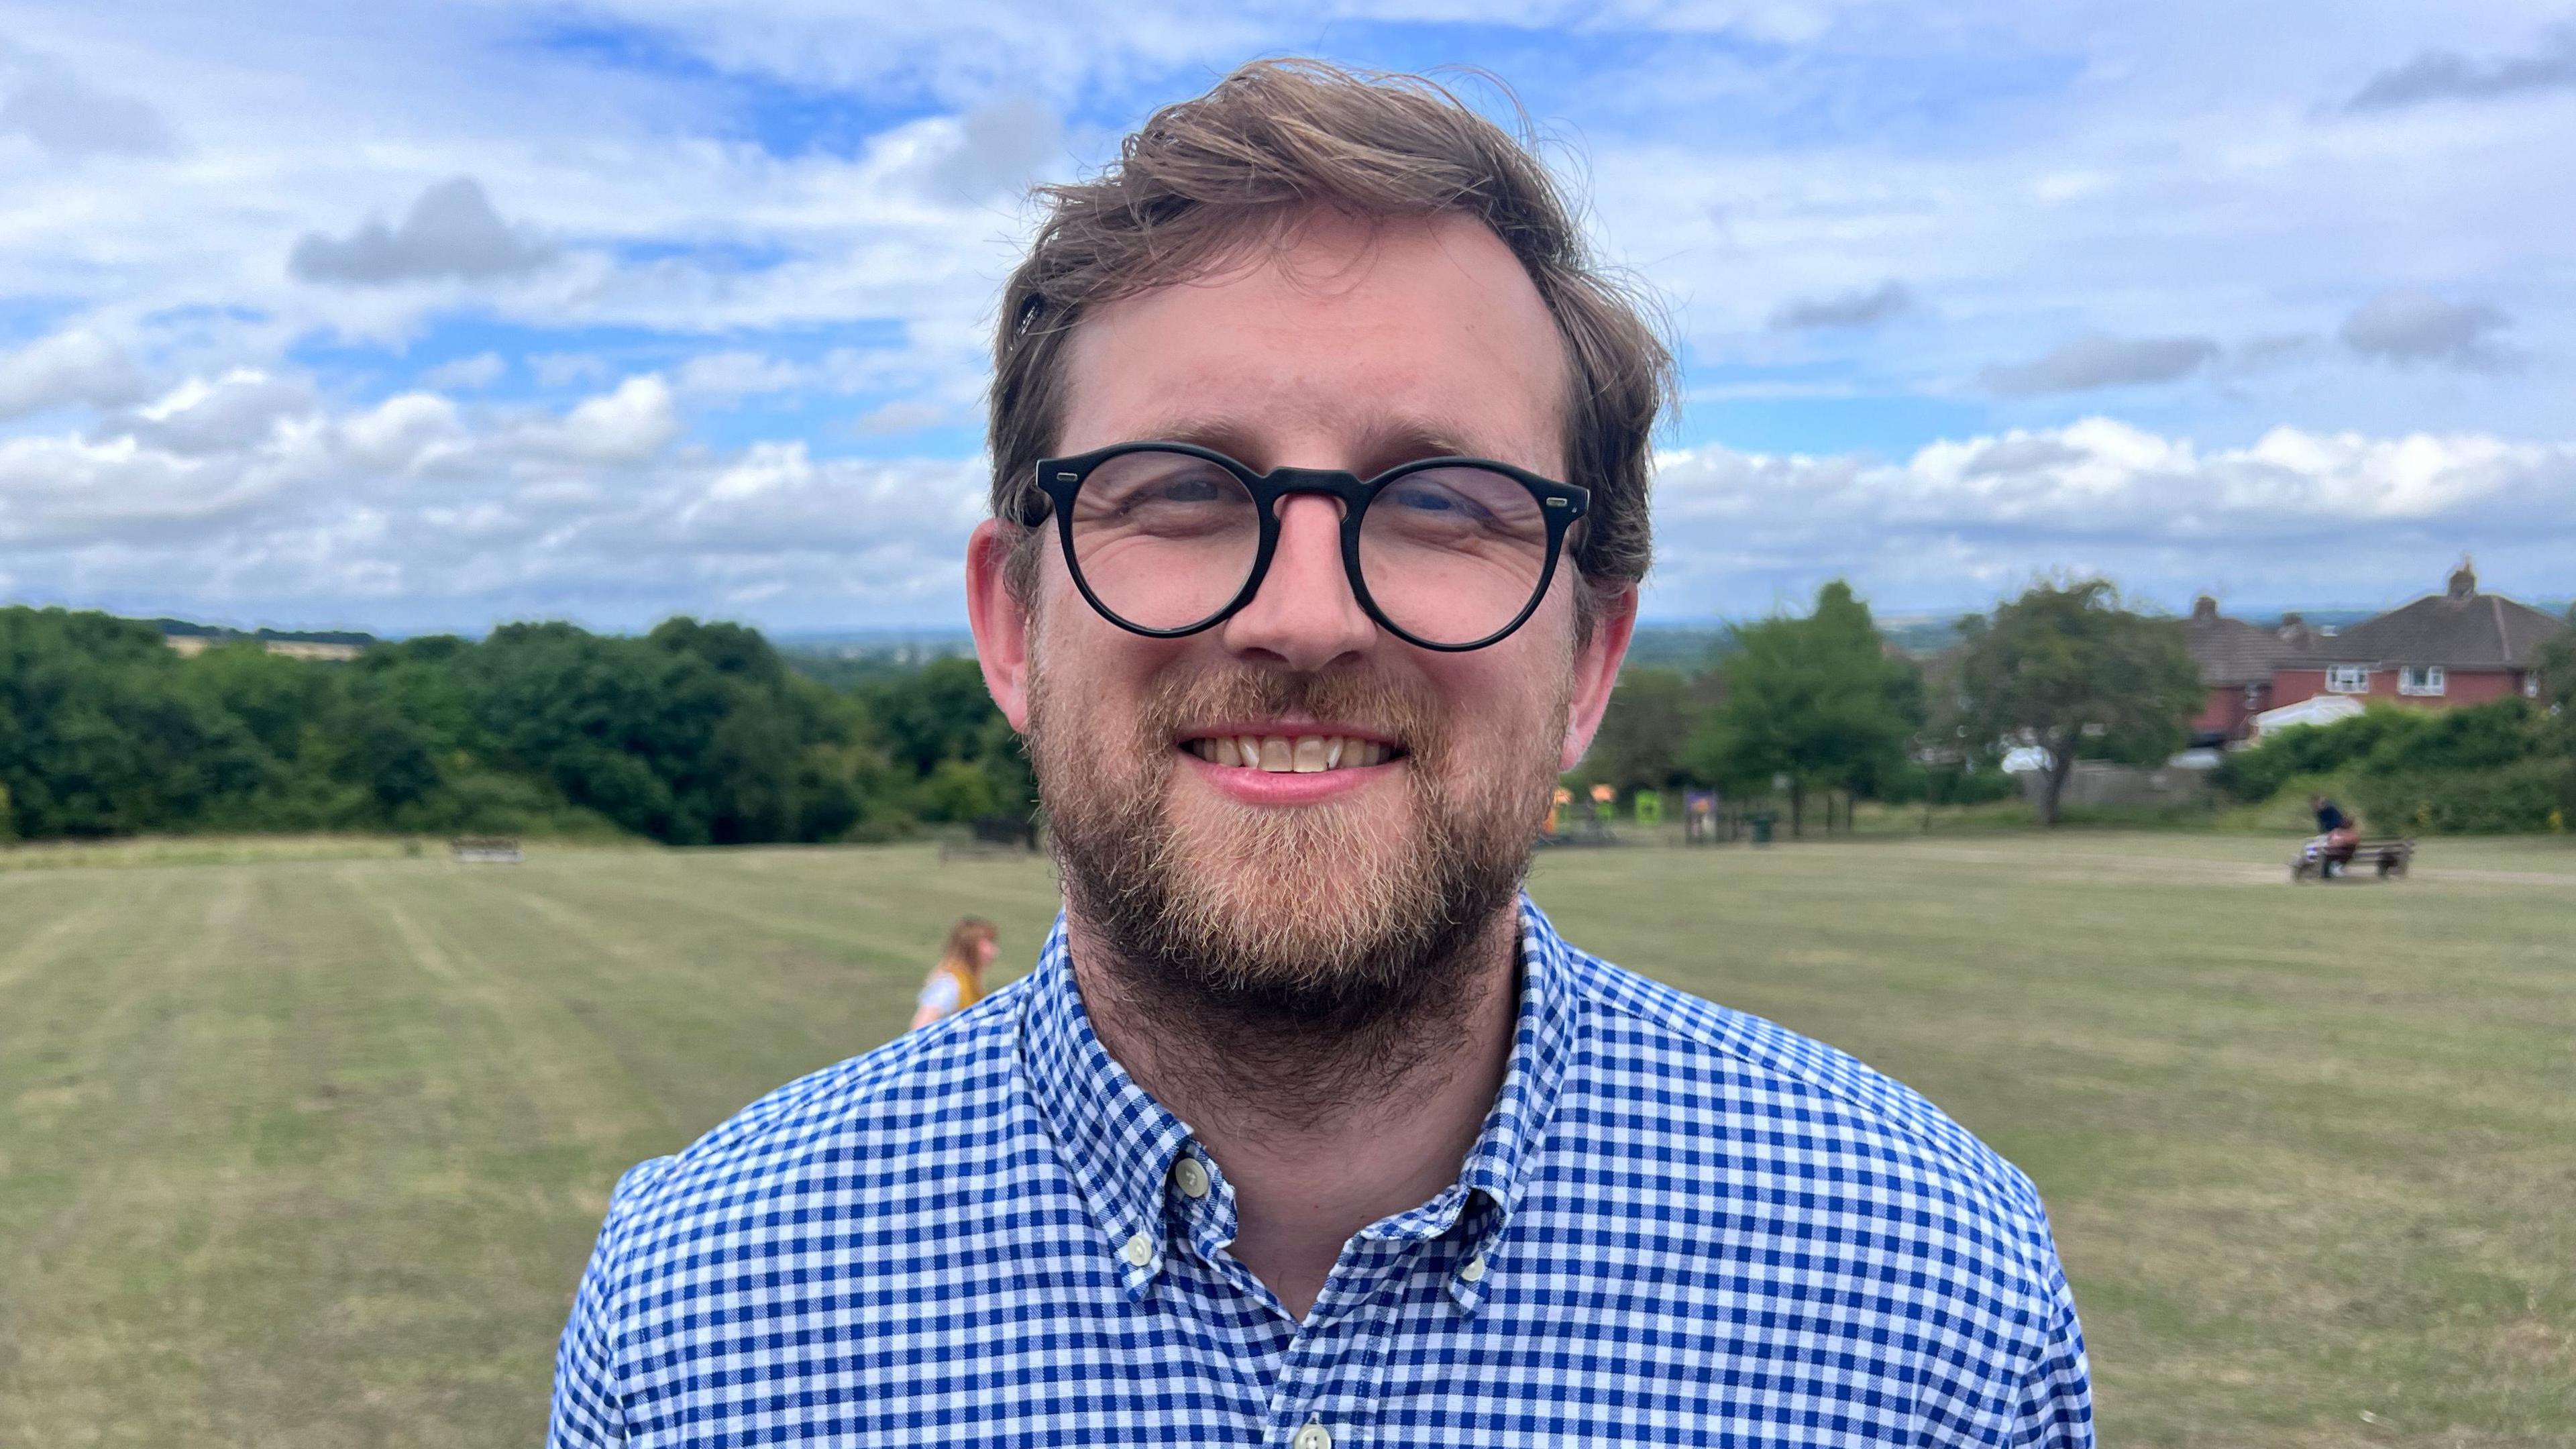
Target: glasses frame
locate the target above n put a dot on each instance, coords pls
(1060, 479)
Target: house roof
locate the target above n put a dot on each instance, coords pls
(2459, 629)
(2316, 709)
(2231, 651)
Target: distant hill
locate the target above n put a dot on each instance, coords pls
(184, 629)
(844, 657)
(1691, 648)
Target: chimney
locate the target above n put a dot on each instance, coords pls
(2203, 609)
(2464, 580)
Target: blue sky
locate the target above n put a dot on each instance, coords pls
(406, 317)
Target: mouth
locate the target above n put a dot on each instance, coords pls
(1282, 750)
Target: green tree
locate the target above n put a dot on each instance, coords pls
(2556, 666)
(694, 734)
(938, 715)
(99, 734)
(2066, 668)
(1818, 699)
(1645, 732)
(937, 712)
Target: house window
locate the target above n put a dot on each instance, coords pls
(2348, 679)
(2420, 679)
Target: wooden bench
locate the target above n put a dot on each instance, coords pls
(2386, 855)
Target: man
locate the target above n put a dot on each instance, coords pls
(2338, 840)
(1319, 483)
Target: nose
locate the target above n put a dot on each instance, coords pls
(1305, 615)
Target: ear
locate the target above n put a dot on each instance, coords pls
(1000, 622)
(1596, 671)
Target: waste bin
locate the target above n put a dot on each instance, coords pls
(1762, 827)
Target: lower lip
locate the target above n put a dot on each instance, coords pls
(1283, 787)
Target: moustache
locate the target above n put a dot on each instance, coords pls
(1403, 710)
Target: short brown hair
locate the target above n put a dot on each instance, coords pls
(1280, 136)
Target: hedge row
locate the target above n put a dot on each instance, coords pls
(2530, 794)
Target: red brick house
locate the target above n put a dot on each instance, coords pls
(2237, 661)
(2456, 647)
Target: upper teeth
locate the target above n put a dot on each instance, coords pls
(1280, 754)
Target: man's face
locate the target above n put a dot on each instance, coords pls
(1348, 349)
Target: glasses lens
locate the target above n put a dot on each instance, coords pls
(1164, 539)
(1453, 554)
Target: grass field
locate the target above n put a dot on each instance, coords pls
(308, 1152)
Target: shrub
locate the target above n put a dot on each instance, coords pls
(2517, 797)
(2385, 740)
(1947, 785)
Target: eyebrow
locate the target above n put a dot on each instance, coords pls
(1380, 444)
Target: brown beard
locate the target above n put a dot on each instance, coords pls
(1306, 970)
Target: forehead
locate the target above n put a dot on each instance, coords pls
(1341, 345)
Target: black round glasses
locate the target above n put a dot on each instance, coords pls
(1167, 539)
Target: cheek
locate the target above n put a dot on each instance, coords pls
(1091, 673)
(1508, 700)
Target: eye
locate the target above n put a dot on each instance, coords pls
(1184, 488)
(1426, 497)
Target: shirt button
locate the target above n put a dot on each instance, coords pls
(1138, 1252)
(1474, 1272)
(1313, 1436)
(1191, 1178)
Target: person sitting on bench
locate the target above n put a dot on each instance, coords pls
(2337, 836)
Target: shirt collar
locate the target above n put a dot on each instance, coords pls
(1119, 1143)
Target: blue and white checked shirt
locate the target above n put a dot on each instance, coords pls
(1680, 1225)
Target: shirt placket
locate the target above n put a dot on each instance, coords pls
(1321, 1393)
(1326, 1393)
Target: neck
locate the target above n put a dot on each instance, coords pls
(1321, 1126)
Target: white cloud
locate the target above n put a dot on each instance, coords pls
(2328, 517)
(451, 232)
(899, 417)
(738, 374)
(628, 425)
(997, 147)
(403, 433)
(137, 500)
(238, 409)
(2097, 362)
(2100, 362)
(71, 119)
(467, 374)
(2415, 327)
(1865, 308)
(566, 369)
(405, 511)
(78, 366)
(2447, 75)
